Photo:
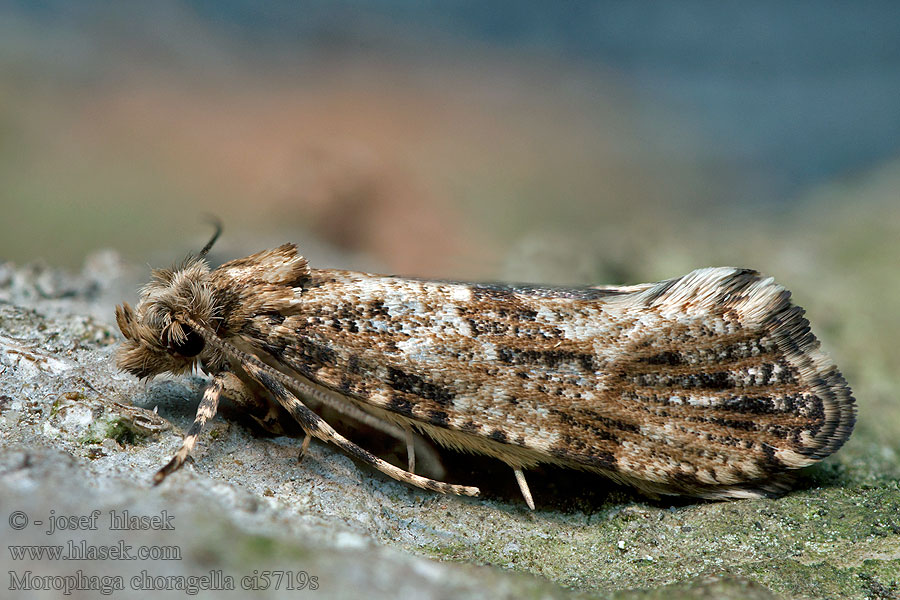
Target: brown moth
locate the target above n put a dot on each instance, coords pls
(707, 385)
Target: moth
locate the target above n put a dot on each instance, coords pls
(708, 385)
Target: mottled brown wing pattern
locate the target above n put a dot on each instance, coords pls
(709, 384)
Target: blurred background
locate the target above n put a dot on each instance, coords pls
(559, 142)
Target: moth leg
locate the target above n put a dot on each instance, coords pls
(249, 399)
(205, 411)
(304, 446)
(315, 425)
(248, 395)
(345, 407)
(523, 487)
(410, 449)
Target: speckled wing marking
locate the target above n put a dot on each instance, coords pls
(708, 384)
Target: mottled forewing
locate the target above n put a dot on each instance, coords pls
(689, 385)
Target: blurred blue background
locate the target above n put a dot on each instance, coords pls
(428, 133)
(800, 90)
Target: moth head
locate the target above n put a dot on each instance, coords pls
(158, 338)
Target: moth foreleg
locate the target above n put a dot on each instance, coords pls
(205, 411)
(315, 425)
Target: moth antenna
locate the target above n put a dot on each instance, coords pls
(277, 384)
(217, 223)
(205, 411)
(523, 487)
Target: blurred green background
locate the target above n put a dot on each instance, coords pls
(608, 142)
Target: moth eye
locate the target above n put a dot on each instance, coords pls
(191, 345)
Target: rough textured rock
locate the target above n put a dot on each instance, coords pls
(79, 436)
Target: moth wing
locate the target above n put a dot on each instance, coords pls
(732, 386)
